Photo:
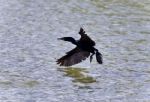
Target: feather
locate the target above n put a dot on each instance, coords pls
(72, 57)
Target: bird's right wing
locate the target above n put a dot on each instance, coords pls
(72, 57)
(85, 39)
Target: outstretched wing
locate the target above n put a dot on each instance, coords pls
(72, 57)
(85, 39)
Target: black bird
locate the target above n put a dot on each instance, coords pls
(84, 46)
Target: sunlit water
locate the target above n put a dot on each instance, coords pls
(28, 49)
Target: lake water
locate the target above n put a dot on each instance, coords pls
(29, 48)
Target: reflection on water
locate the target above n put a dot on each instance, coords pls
(78, 74)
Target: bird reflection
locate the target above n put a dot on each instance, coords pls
(84, 47)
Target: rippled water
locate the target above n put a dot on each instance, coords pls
(28, 49)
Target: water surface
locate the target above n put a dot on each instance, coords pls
(29, 48)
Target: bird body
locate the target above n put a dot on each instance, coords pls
(84, 46)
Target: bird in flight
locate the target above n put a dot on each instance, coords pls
(84, 47)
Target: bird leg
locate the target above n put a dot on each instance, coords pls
(91, 57)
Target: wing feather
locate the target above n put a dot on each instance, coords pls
(72, 57)
(85, 39)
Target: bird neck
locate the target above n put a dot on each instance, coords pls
(72, 40)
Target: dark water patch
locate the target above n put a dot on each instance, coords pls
(80, 10)
(99, 4)
(145, 32)
(140, 41)
(30, 83)
(5, 82)
(119, 32)
(14, 79)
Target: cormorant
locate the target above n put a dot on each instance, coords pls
(84, 46)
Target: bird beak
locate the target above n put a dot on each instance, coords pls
(59, 38)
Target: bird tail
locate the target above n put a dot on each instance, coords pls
(99, 57)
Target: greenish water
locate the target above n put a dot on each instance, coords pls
(78, 75)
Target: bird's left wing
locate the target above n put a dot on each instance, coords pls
(72, 57)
